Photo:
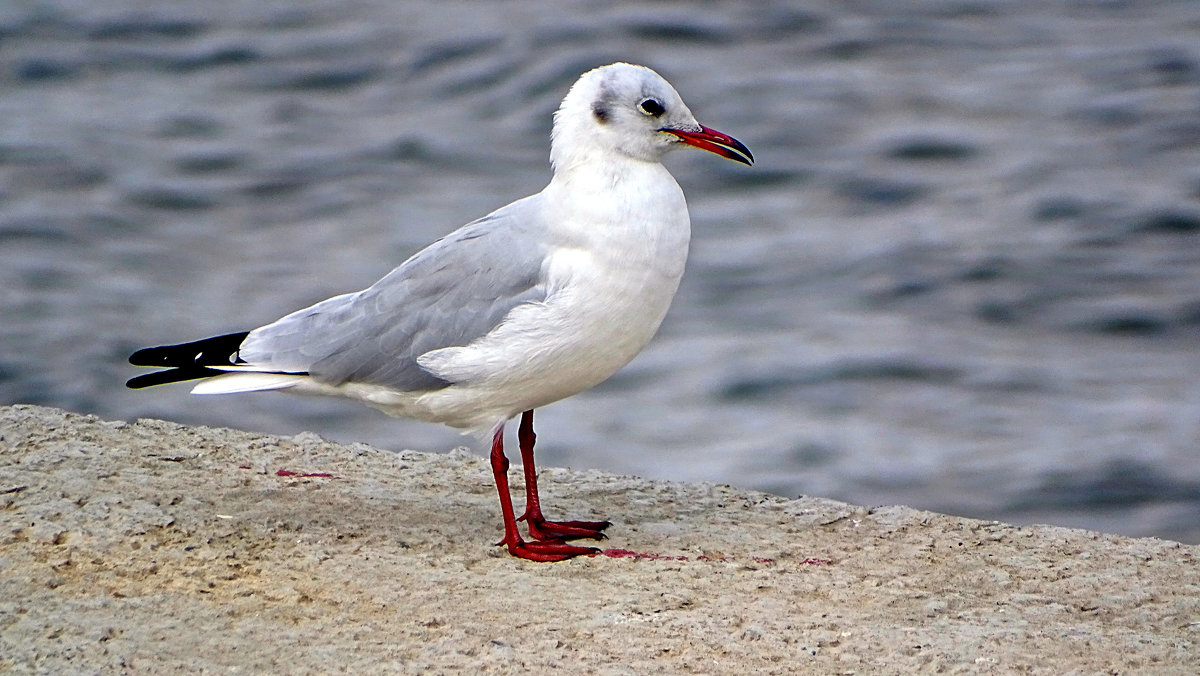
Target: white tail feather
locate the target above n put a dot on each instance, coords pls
(232, 383)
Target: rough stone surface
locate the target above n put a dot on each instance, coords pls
(158, 547)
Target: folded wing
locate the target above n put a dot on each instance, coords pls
(456, 290)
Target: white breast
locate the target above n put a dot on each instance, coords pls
(614, 267)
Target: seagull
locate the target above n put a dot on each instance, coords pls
(534, 302)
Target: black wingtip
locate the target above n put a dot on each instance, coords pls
(170, 376)
(215, 351)
(186, 361)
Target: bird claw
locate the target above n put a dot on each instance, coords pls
(543, 530)
(545, 551)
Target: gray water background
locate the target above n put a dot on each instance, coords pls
(964, 274)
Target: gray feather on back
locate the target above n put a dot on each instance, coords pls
(456, 290)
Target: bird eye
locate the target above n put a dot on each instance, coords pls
(651, 107)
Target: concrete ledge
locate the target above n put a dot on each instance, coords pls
(158, 547)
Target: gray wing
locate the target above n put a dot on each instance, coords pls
(450, 293)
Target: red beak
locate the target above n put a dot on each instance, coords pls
(714, 142)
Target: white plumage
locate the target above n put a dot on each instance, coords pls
(537, 301)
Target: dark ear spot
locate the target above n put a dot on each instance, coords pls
(601, 112)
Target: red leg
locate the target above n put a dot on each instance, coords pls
(534, 551)
(539, 527)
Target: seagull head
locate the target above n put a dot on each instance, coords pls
(627, 110)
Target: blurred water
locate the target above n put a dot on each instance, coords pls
(963, 274)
